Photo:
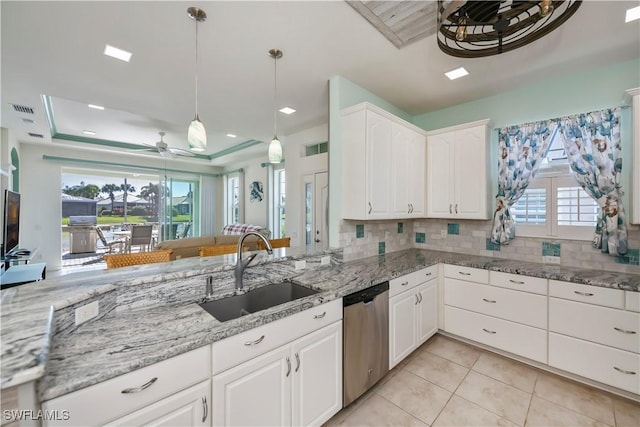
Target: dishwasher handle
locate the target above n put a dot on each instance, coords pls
(366, 295)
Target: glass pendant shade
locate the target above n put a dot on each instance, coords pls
(197, 136)
(275, 150)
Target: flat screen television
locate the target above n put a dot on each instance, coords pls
(11, 232)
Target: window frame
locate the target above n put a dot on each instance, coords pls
(228, 205)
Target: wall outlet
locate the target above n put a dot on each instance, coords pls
(301, 265)
(551, 259)
(86, 312)
(325, 260)
(443, 234)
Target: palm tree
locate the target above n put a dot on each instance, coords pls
(151, 193)
(89, 191)
(126, 189)
(109, 189)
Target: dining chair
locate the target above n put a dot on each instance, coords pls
(110, 245)
(125, 260)
(141, 235)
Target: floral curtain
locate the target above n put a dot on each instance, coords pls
(592, 144)
(522, 149)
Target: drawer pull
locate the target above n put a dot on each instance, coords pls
(624, 331)
(420, 295)
(488, 331)
(464, 274)
(205, 408)
(517, 282)
(288, 366)
(297, 362)
(404, 283)
(490, 301)
(417, 299)
(370, 207)
(584, 294)
(142, 387)
(320, 316)
(623, 371)
(428, 274)
(258, 341)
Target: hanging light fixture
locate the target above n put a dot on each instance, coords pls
(275, 148)
(473, 29)
(197, 135)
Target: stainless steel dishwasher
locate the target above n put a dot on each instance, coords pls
(365, 338)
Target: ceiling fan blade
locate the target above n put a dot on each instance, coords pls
(181, 152)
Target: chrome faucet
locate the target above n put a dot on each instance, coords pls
(241, 264)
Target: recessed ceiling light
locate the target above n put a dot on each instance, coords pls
(96, 107)
(632, 14)
(230, 135)
(114, 52)
(89, 132)
(287, 110)
(457, 73)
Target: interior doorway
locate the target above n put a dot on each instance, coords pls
(316, 214)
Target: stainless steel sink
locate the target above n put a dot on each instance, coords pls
(258, 299)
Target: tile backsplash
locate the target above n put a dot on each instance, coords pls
(473, 238)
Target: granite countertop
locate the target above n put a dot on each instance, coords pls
(152, 313)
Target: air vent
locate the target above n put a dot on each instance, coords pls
(22, 109)
(35, 135)
(27, 121)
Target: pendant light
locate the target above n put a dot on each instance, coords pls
(275, 148)
(197, 135)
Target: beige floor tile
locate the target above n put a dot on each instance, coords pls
(543, 413)
(437, 370)
(508, 371)
(454, 351)
(415, 395)
(579, 398)
(460, 412)
(627, 413)
(378, 411)
(495, 396)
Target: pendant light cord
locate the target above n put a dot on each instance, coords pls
(275, 92)
(197, 69)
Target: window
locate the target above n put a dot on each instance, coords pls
(312, 150)
(279, 223)
(232, 199)
(554, 204)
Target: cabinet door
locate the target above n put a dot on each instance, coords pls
(402, 326)
(402, 144)
(440, 176)
(378, 166)
(317, 376)
(255, 393)
(417, 174)
(470, 200)
(427, 311)
(190, 407)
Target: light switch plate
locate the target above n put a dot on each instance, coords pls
(551, 259)
(325, 260)
(301, 265)
(87, 312)
(443, 233)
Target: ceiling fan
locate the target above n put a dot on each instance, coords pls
(163, 149)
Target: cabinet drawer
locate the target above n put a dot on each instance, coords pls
(402, 283)
(609, 326)
(427, 274)
(605, 364)
(239, 348)
(632, 301)
(466, 273)
(506, 304)
(585, 293)
(536, 285)
(172, 376)
(512, 337)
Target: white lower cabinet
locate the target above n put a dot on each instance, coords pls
(413, 316)
(191, 407)
(299, 383)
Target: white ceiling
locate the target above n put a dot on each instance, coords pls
(55, 49)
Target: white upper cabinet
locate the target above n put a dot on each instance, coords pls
(383, 165)
(458, 172)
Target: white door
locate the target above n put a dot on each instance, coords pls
(417, 166)
(317, 376)
(255, 393)
(315, 212)
(402, 326)
(440, 175)
(402, 144)
(378, 173)
(470, 164)
(427, 313)
(191, 407)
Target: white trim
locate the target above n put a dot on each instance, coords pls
(484, 122)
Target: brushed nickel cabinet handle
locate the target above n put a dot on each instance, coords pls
(258, 341)
(490, 301)
(517, 282)
(624, 331)
(320, 316)
(404, 283)
(417, 300)
(205, 408)
(464, 274)
(488, 331)
(297, 362)
(420, 295)
(584, 294)
(408, 208)
(411, 208)
(370, 207)
(450, 210)
(142, 387)
(623, 371)
(456, 208)
(428, 274)
(288, 366)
